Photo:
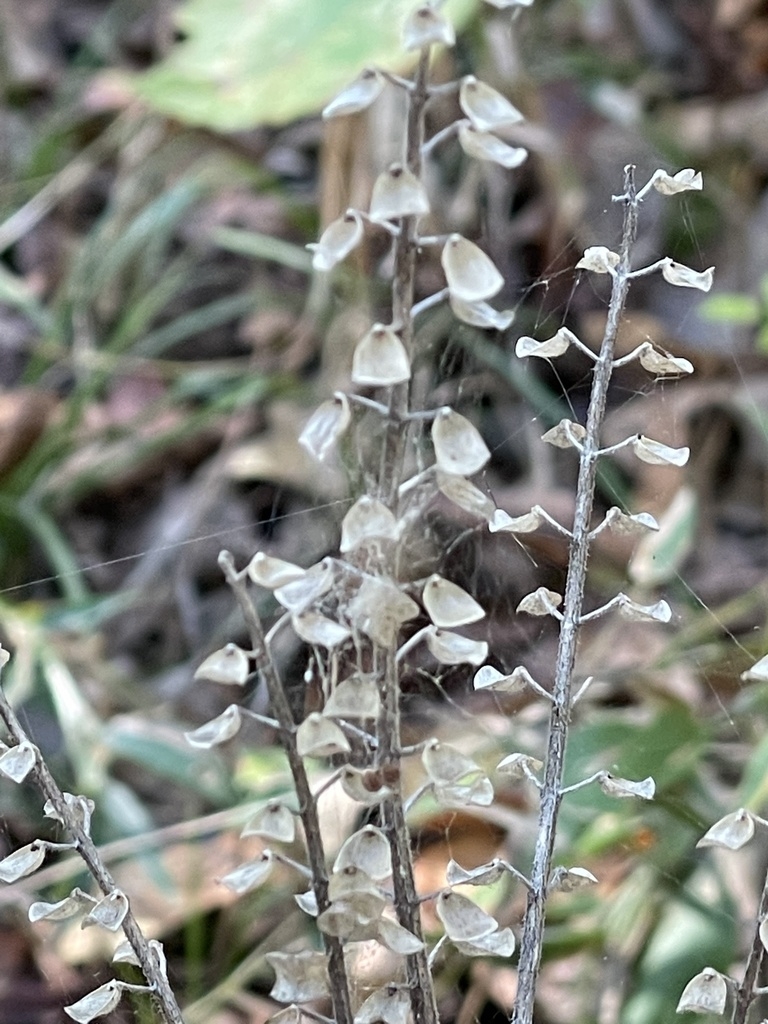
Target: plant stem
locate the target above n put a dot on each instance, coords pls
(406, 900)
(389, 754)
(745, 993)
(150, 966)
(551, 794)
(393, 448)
(337, 970)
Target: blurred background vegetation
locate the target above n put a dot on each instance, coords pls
(162, 340)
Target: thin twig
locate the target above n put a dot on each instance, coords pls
(746, 993)
(45, 782)
(533, 926)
(337, 971)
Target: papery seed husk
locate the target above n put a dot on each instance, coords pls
(500, 943)
(685, 277)
(553, 347)
(571, 879)
(124, 954)
(297, 596)
(514, 765)
(481, 314)
(541, 602)
(452, 649)
(337, 241)
(218, 730)
(251, 875)
(684, 181)
(705, 993)
(366, 786)
(446, 763)
(489, 678)
(471, 275)
(300, 977)
(612, 785)
(559, 436)
(758, 673)
(484, 874)
(228, 665)
(351, 882)
(63, 909)
(379, 609)
(658, 454)
(325, 426)
(397, 192)
(660, 363)
(485, 107)
(463, 919)
(272, 573)
(659, 612)
(448, 605)
(732, 831)
(397, 938)
(485, 146)
(80, 808)
(357, 96)
(368, 850)
(622, 523)
(351, 920)
(22, 862)
(598, 259)
(463, 493)
(17, 762)
(96, 1004)
(109, 912)
(275, 821)
(307, 901)
(475, 791)
(320, 737)
(459, 448)
(319, 630)
(366, 520)
(389, 1005)
(427, 26)
(354, 697)
(502, 522)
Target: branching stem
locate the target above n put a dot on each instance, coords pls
(388, 753)
(87, 849)
(533, 926)
(337, 971)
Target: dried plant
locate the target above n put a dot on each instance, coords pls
(353, 611)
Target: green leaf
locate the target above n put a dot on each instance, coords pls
(688, 935)
(659, 555)
(754, 784)
(761, 342)
(242, 63)
(264, 247)
(163, 752)
(731, 308)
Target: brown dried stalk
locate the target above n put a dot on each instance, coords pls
(87, 849)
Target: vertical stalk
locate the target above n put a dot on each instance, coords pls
(150, 966)
(533, 925)
(337, 970)
(406, 902)
(393, 448)
(745, 993)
